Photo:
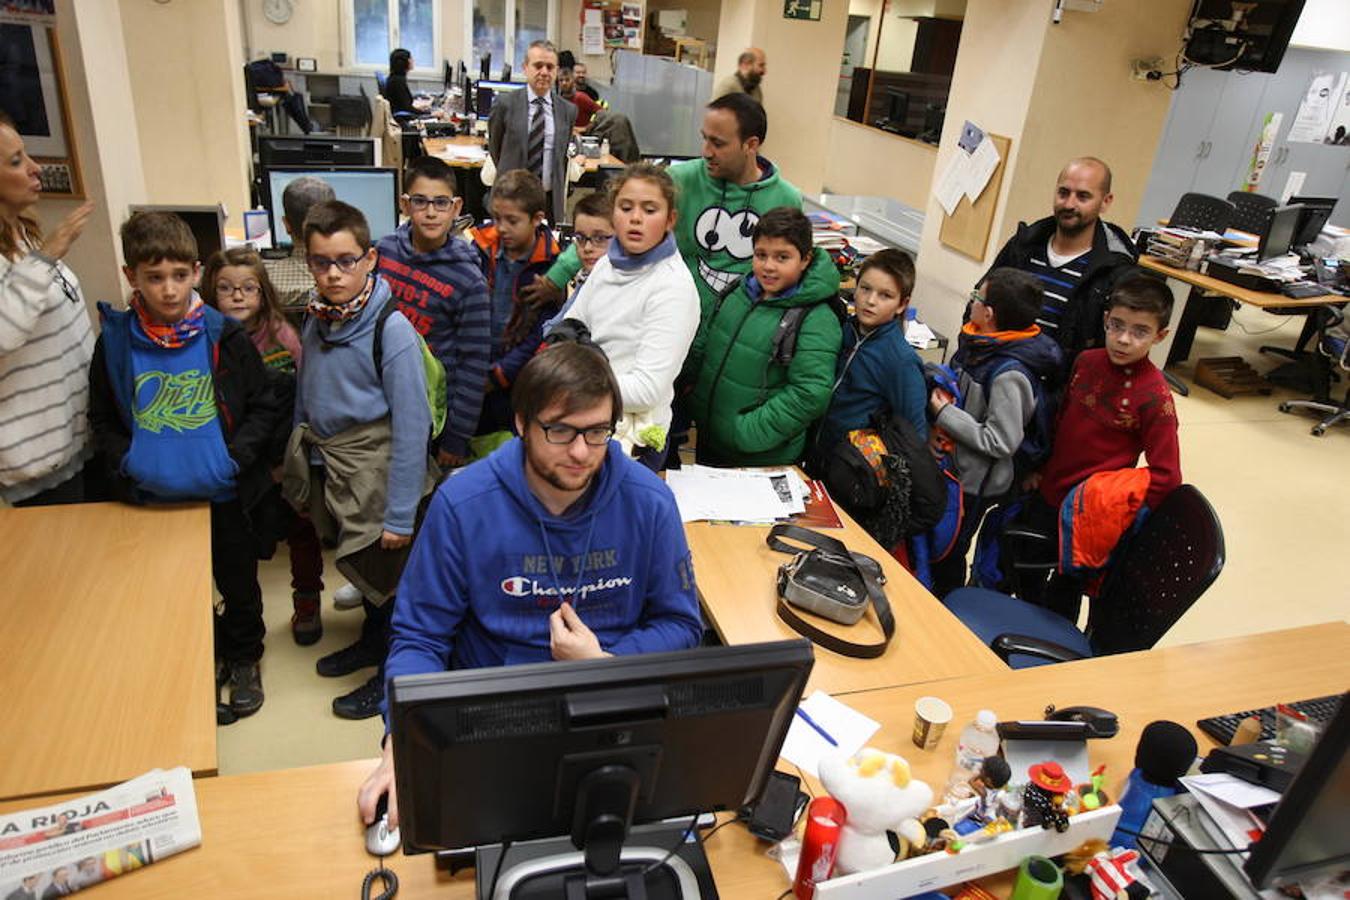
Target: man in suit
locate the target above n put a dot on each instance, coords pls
(530, 129)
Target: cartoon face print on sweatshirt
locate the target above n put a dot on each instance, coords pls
(725, 246)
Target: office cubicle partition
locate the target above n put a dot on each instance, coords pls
(663, 99)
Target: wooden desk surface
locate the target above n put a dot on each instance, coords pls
(1182, 683)
(295, 832)
(438, 146)
(1243, 295)
(737, 582)
(106, 650)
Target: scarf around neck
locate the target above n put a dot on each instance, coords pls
(172, 335)
(625, 262)
(341, 312)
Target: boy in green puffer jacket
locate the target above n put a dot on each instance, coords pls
(753, 404)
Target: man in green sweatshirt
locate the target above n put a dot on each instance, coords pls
(719, 199)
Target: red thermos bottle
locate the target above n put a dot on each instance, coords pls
(820, 845)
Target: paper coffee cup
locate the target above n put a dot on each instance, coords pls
(931, 716)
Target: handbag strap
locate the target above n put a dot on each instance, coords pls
(868, 570)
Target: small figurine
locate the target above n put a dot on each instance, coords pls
(1091, 795)
(1112, 873)
(988, 785)
(879, 794)
(1043, 799)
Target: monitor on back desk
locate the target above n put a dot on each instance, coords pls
(1279, 236)
(371, 190)
(1316, 212)
(487, 93)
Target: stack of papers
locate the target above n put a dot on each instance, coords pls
(919, 336)
(1229, 801)
(747, 496)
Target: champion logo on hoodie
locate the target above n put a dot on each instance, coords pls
(520, 586)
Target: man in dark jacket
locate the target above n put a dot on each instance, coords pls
(1076, 256)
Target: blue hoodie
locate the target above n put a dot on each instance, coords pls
(478, 587)
(444, 295)
(338, 389)
(878, 372)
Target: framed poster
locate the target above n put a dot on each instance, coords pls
(33, 95)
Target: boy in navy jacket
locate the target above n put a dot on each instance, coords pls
(182, 409)
(878, 369)
(557, 546)
(439, 287)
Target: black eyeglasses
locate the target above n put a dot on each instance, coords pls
(66, 287)
(320, 265)
(420, 202)
(595, 240)
(557, 433)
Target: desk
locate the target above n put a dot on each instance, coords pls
(737, 582)
(1183, 326)
(295, 832)
(106, 649)
(441, 148)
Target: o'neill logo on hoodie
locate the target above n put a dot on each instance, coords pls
(520, 586)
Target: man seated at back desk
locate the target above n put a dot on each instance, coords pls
(557, 546)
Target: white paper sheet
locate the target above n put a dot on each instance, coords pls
(1292, 185)
(1318, 107)
(980, 168)
(736, 495)
(851, 730)
(951, 184)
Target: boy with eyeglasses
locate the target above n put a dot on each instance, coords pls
(1116, 406)
(357, 460)
(557, 546)
(592, 230)
(437, 283)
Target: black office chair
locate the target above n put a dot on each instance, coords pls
(1202, 211)
(1333, 346)
(1160, 573)
(1251, 212)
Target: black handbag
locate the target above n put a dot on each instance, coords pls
(831, 581)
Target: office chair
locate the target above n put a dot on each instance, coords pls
(380, 79)
(1203, 212)
(1333, 346)
(1162, 570)
(1207, 213)
(1251, 212)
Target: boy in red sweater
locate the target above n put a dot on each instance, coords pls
(1117, 405)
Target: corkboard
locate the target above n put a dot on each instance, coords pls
(967, 229)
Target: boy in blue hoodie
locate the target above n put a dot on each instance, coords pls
(557, 546)
(357, 461)
(1001, 358)
(878, 369)
(182, 410)
(438, 285)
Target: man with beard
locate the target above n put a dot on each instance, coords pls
(747, 77)
(1077, 256)
(557, 546)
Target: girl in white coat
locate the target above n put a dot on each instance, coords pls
(641, 307)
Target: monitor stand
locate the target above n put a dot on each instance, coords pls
(604, 857)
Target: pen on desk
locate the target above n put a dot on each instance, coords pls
(812, 722)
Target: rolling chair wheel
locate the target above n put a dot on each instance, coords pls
(1319, 430)
(1285, 407)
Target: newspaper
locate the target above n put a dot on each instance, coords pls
(52, 851)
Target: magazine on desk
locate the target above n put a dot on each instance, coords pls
(81, 842)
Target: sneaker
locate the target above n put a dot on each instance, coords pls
(225, 715)
(361, 703)
(348, 596)
(246, 691)
(306, 626)
(348, 660)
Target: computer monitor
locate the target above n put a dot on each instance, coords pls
(589, 747)
(448, 76)
(280, 150)
(206, 222)
(1279, 234)
(485, 67)
(373, 191)
(487, 92)
(1316, 212)
(1309, 832)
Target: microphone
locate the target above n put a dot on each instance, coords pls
(1165, 752)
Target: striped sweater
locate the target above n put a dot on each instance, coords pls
(46, 344)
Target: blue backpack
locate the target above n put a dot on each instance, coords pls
(1038, 437)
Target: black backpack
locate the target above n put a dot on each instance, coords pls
(912, 498)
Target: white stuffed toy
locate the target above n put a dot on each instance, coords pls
(878, 794)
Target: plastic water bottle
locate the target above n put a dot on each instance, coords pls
(604, 147)
(978, 740)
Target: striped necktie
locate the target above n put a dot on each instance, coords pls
(535, 158)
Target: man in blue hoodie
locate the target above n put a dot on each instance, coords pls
(557, 546)
(439, 287)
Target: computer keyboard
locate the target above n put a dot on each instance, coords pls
(1221, 728)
